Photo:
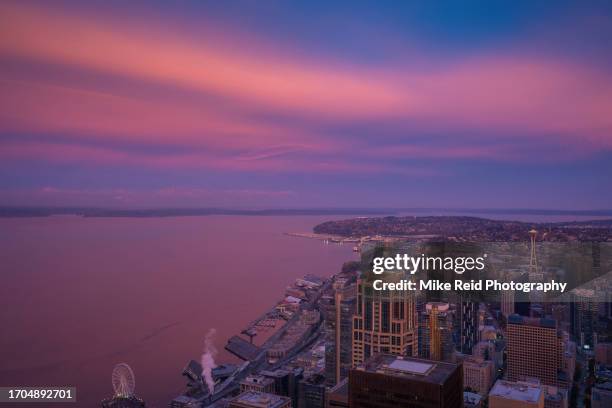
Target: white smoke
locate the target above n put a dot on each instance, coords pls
(208, 359)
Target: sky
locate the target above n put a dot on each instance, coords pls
(282, 104)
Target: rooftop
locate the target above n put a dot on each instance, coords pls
(259, 400)
(341, 388)
(257, 379)
(529, 321)
(441, 306)
(435, 372)
(471, 398)
(412, 367)
(517, 391)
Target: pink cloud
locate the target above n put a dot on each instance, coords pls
(39, 107)
(531, 98)
(132, 50)
(96, 156)
(520, 95)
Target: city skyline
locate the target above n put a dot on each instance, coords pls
(306, 105)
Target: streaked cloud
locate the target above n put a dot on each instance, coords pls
(136, 92)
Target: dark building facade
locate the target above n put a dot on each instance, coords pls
(388, 381)
(435, 332)
(338, 312)
(312, 392)
(468, 326)
(286, 382)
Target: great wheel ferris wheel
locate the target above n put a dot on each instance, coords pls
(124, 381)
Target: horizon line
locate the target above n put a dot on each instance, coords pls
(25, 210)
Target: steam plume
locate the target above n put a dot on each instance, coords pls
(208, 359)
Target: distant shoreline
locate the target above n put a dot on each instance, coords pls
(17, 212)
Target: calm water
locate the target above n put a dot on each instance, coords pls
(79, 295)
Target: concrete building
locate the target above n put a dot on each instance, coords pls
(387, 381)
(257, 383)
(385, 322)
(509, 394)
(488, 350)
(286, 382)
(535, 350)
(312, 392)
(478, 374)
(569, 361)
(555, 397)
(254, 399)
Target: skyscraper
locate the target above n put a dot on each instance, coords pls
(385, 322)
(435, 332)
(468, 326)
(339, 310)
(507, 303)
(583, 317)
(535, 350)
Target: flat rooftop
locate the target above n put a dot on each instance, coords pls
(260, 399)
(516, 391)
(435, 372)
(412, 367)
(532, 321)
(242, 348)
(257, 379)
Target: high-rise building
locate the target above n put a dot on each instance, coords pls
(337, 396)
(435, 332)
(312, 392)
(507, 303)
(385, 322)
(388, 381)
(254, 399)
(286, 382)
(583, 318)
(339, 309)
(521, 394)
(467, 326)
(569, 358)
(535, 349)
(478, 374)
